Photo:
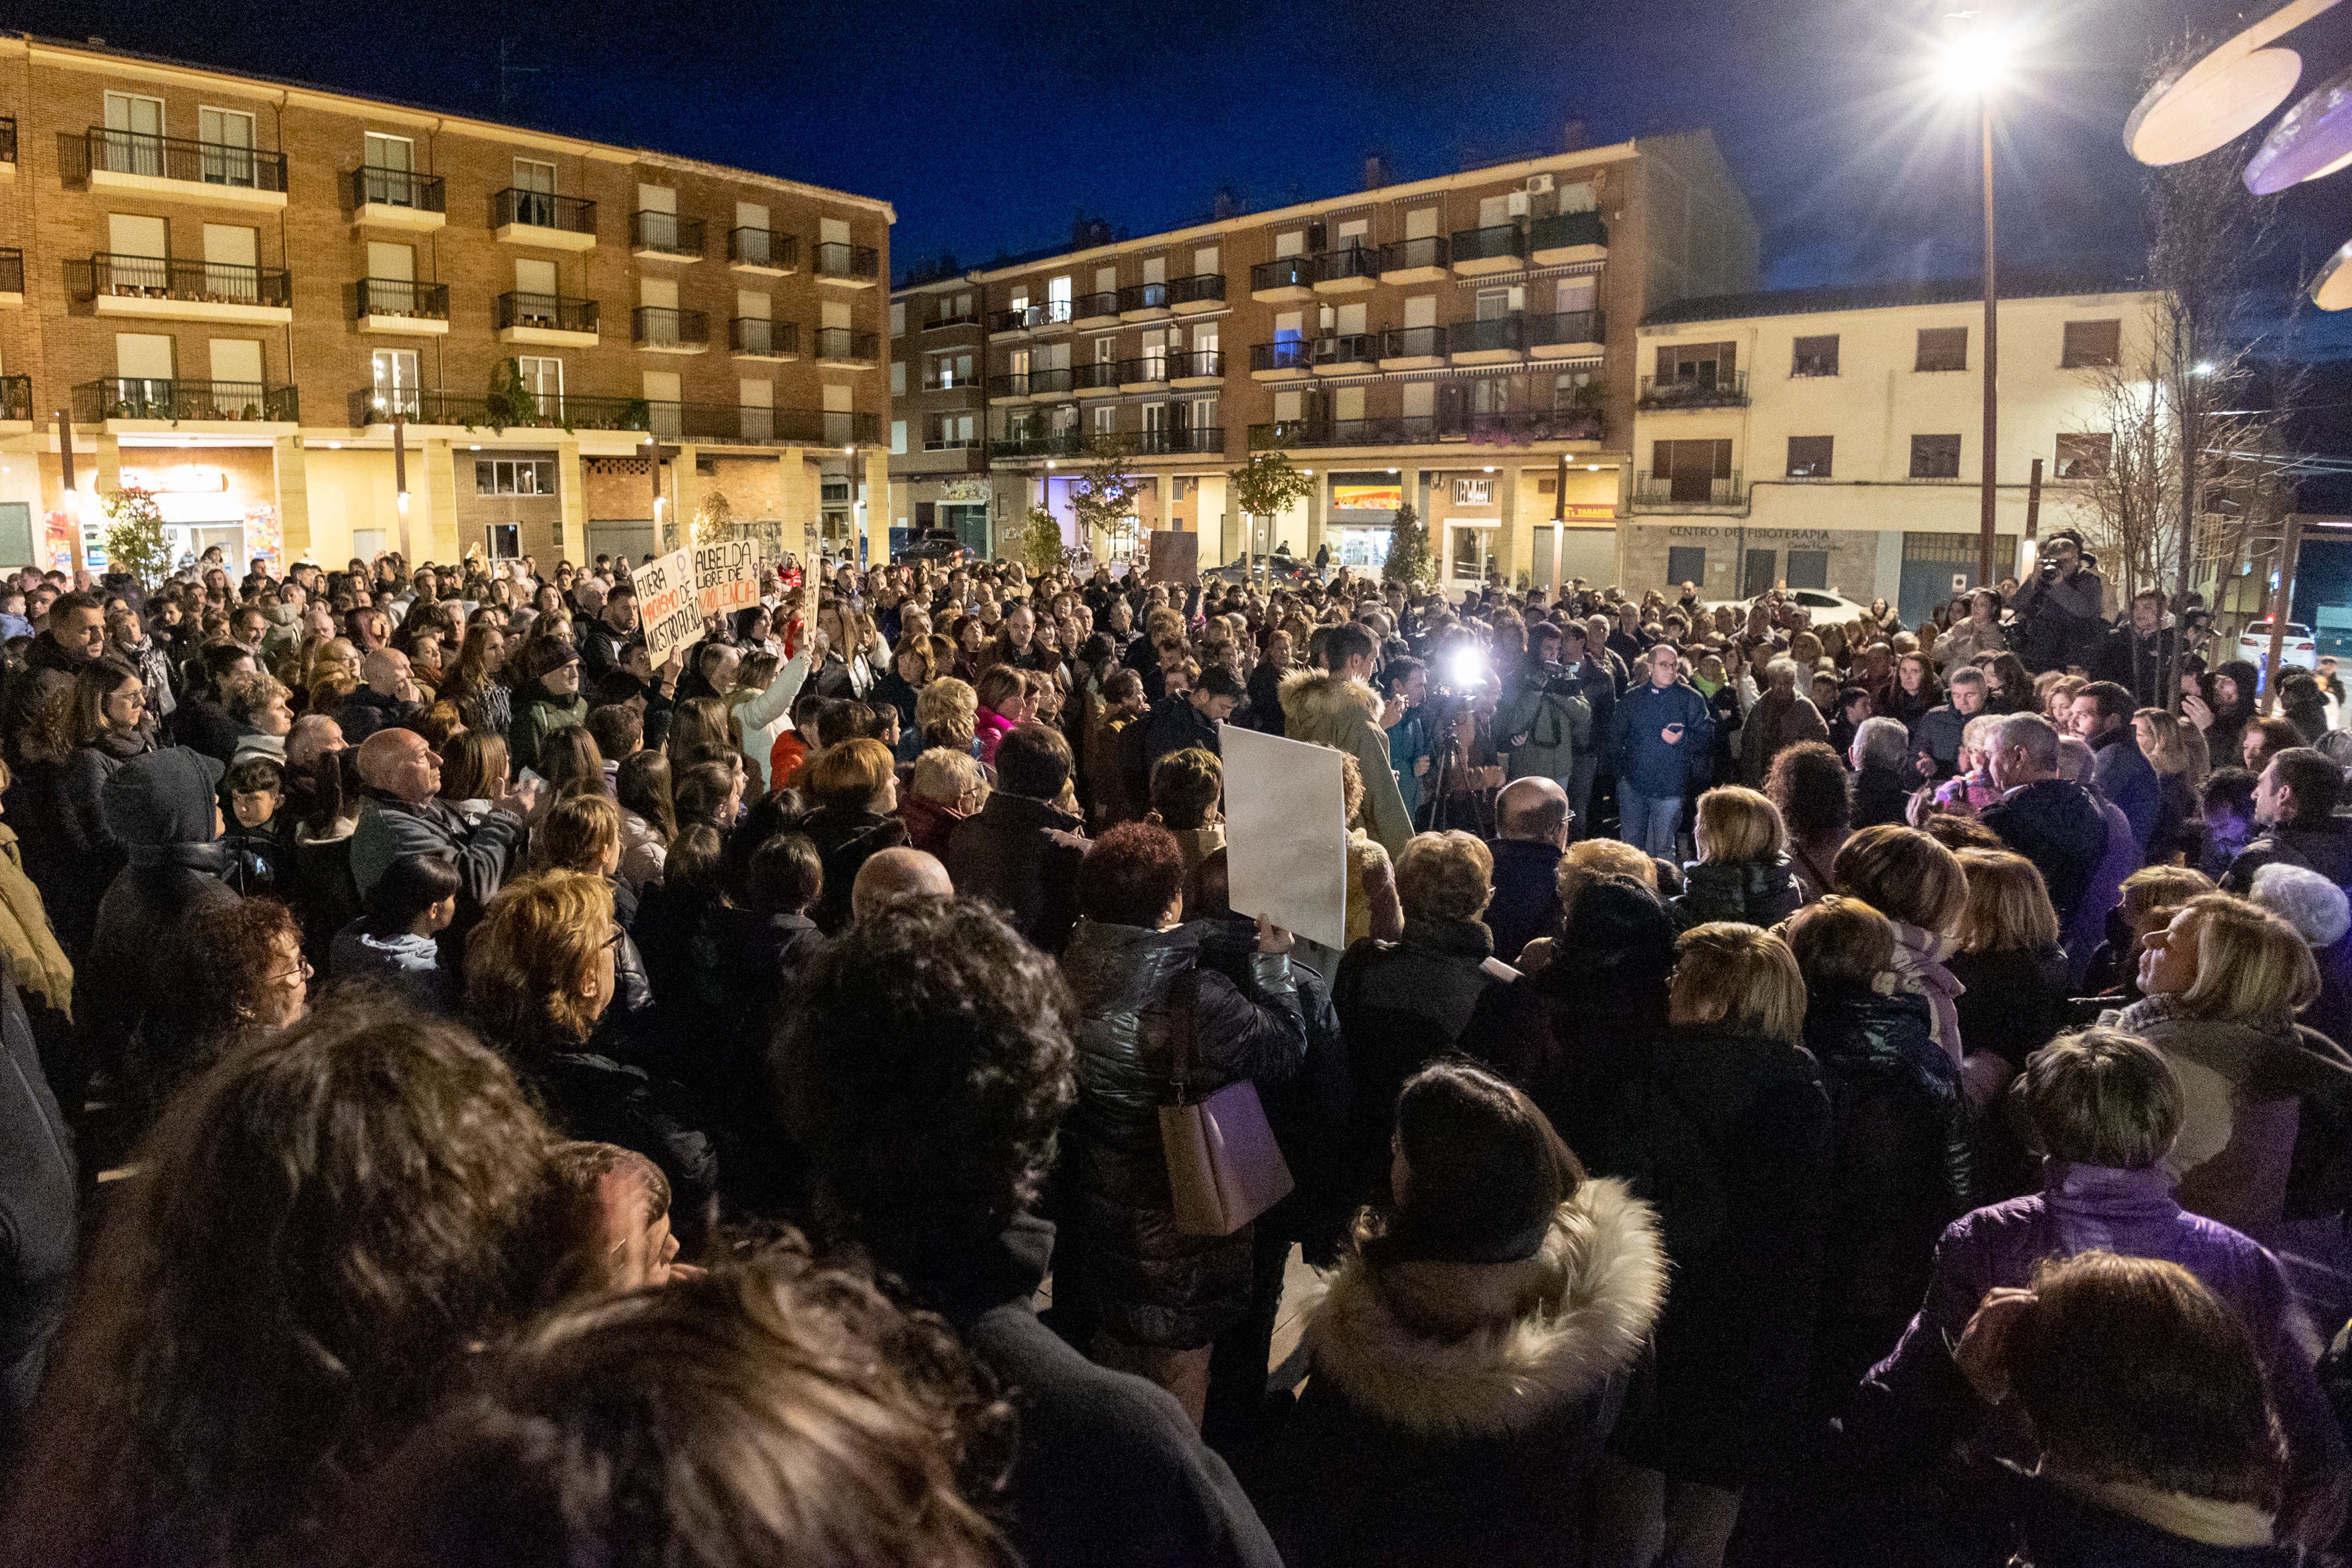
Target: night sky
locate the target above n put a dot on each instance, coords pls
(992, 126)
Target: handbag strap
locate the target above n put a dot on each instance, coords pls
(1184, 995)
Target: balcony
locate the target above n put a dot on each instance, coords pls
(1148, 374)
(951, 444)
(1706, 388)
(945, 319)
(1286, 359)
(16, 399)
(1425, 260)
(219, 172)
(1347, 271)
(12, 278)
(663, 330)
(555, 319)
(719, 424)
(1099, 379)
(1031, 444)
(763, 251)
(1349, 353)
(1282, 281)
(756, 336)
(1201, 291)
(1098, 310)
(1202, 367)
(1144, 302)
(178, 402)
(1516, 429)
(1478, 251)
(1500, 339)
(841, 346)
(726, 423)
(665, 236)
(1673, 492)
(1054, 313)
(402, 305)
(1012, 388)
(397, 199)
(544, 220)
(1412, 348)
(850, 266)
(182, 290)
(1570, 334)
(1205, 439)
(1045, 385)
(7, 155)
(1567, 238)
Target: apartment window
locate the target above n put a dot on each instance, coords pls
(1420, 223)
(395, 379)
(1942, 348)
(514, 477)
(536, 180)
(1696, 364)
(1493, 304)
(1106, 350)
(506, 541)
(897, 437)
(1059, 294)
(1291, 244)
(1105, 420)
(228, 136)
(898, 378)
(1689, 469)
(1809, 457)
(2085, 456)
(1205, 414)
(897, 318)
(1935, 456)
(135, 125)
(1205, 261)
(1808, 569)
(2090, 344)
(542, 375)
(397, 153)
(1687, 564)
(1815, 356)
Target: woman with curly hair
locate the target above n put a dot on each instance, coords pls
(318, 1231)
(1814, 795)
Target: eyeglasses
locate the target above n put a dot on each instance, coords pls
(300, 975)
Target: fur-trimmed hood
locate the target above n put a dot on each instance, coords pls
(1475, 1349)
(1319, 701)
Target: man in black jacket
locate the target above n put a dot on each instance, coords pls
(2135, 655)
(2050, 822)
(2061, 610)
(1184, 720)
(401, 815)
(604, 649)
(2295, 800)
(75, 634)
(1021, 852)
(925, 1071)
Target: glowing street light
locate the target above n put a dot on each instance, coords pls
(1974, 64)
(1974, 59)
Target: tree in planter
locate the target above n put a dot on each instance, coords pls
(1103, 494)
(135, 541)
(1408, 561)
(1267, 486)
(511, 400)
(1041, 541)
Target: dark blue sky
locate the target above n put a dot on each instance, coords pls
(991, 126)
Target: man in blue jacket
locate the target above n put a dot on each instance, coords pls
(1661, 737)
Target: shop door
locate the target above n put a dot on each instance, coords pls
(1470, 550)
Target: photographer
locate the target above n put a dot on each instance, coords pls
(1544, 724)
(2060, 611)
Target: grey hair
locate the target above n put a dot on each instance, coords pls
(2035, 736)
(1966, 675)
(1778, 668)
(1977, 733)
(1882, 740)
(2306, 899)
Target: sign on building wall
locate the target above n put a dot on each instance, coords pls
(1474, 492)
(669, 601)
(1366, 498)
(727, 576)
(1583, 511)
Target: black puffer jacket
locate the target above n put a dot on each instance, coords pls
(1753, 893)
(845, 838)
(2324, 847)
(1137, 1276)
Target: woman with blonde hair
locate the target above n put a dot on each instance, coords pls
(1742, 872)
(1727, 1121)
(1918, 884)
(2012, 972)
(854, 786)
(2150, 898)
(946, 711)
(2221, 985)
(2163, 740)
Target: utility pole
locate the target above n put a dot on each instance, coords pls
(1985, 535)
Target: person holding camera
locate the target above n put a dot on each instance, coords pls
(1544, 723)
(2061, 610)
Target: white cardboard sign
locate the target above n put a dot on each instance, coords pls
(1286, 832)
(670, 603)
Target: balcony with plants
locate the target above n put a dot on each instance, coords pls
(403, 305)
(1704, 387)
(175, 402)
(118, 285)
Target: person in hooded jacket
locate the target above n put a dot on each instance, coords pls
(2223, 714)
(1742, 872)
(547, 699)
(1472, 1348)
(1154, 1298)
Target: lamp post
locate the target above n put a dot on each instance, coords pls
(1974, 60)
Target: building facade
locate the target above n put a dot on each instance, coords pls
(1834, 438)
(1462, 343)
(229, 287)
(939, 469)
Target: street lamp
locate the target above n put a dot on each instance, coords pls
(1974, 64)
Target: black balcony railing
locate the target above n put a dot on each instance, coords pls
(15, 398)
(834, 259)
(136, 397)
(1028, 318)
(1024, 442)
(1561, 230)
(1199, 363)
(1197, 288)
(1518, 428)
(1101, 376)
(403, 297)
(105, 152)
(1355, 261)
(12, 271)
(841, 342)
(1015, 384)
(1186, 438)
(1706, 387)
(665, 234)
(1050, 382)
(1144, 297)
(1567, 327)
(1502, 240)
(1094, 307)
(1688, 490)
(1412, 343)
(759, 335)
(374, 186)
(762, 248)
(949, 319)
(950, 443)
(1351, 348)
(1151, 370)
(1285, 353)
(7, 142)
(665, 327)
(1430, 250)
(550, 312)
(1283, 272)
(1494, 335)
(542, 209)
(716, 422)
(165, 278)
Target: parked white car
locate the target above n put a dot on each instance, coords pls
(1824, 608)
(2298, 651)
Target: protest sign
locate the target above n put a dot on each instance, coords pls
(1175, 556)
(669, 604)
(1286, 832)
(727, 575)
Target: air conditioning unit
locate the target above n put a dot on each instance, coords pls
(1539, 185)
(1519, 204)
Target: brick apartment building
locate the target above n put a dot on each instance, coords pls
(231, 284)
(1463, 343)
(938, 472)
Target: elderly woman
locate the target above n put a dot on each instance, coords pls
(1920, 886)
(1742, 872)
(2220, 988)
(1880, 762)
(1780, 718)
(946, 713)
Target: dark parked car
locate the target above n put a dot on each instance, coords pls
(936, 544)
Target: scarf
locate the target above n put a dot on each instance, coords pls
(28, 946)
(1919, 957)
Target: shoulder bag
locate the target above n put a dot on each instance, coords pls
(1224, 1167)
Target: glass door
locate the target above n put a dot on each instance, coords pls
(1470, 554)
(228, 136)
(134, 134)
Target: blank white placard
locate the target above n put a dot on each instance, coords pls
(1286, 834)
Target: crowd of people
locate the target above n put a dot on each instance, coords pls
(1787, 1093)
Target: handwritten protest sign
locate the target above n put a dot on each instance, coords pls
(727, 575)
(669, 602)
(1286, 832)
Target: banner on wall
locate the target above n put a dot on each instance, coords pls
(1366, 498)
(264, 536)
(669, 602)
(59, 534)
(726, 577)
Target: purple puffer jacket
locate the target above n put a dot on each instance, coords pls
(2086, 1208)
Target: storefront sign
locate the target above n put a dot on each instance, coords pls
(1474, 492)
(1366, 498)
(965, 492)
(668, 603)
(1580, 511)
